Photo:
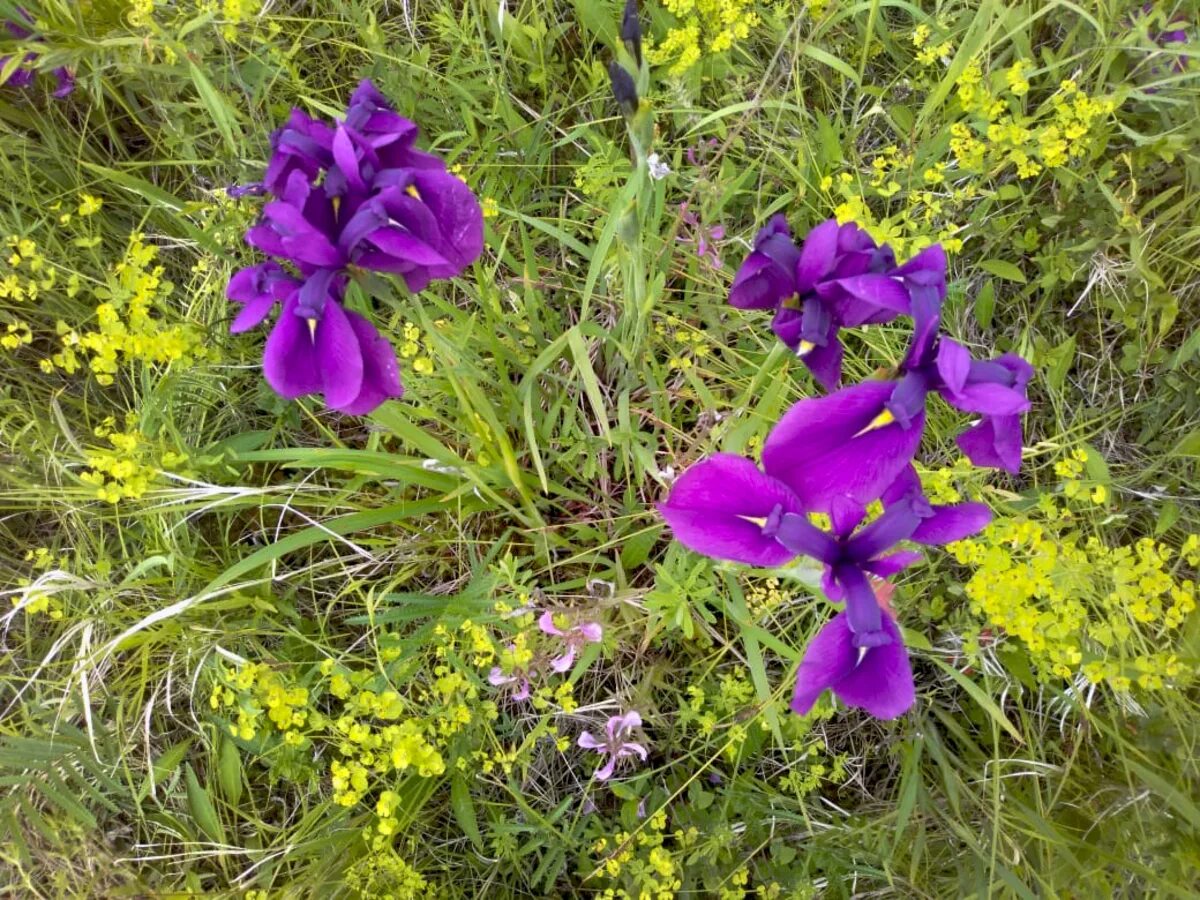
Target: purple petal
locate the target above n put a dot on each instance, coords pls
(926, 268)
(990, 399)
(879, 291)
(523, 692)
(887, 566)
(845, 515)
(862, 607)
(710, 507)
(759, 284)
(897, 524)
(994, 443)
(632, 748)
(339, 357)
(592, 632)
(381, 373)
(405, 247)
(882, 682)
(457, 212)
(927, 316)
(802, 537)
(830, 657)
(907, 484)
(825, 363)
(952, 523)
(66, 82)
(817, 255)
(562, 663)
(290, 356)
(822, 447)
(953, 364)
(252, 313)
(605, 771)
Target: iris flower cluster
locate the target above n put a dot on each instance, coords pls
(23, 76)
(348, 198)
(839, 453)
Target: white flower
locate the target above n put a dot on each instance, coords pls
(658, 169)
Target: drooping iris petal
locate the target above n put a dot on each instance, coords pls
(457, 212)
(290, 362)
(380, 373)
(875, 292)
(953, 364)
(952, 523)
(803, 538)
(880, 682)
(719, 507)
(824, 447)
(818, 254)
(303, 144)
(768, 276)
(825, 363)
(898, 523)
(339, 357)
(994, 443)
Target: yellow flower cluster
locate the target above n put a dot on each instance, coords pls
(126, 470)
(26, 275)
(921, 221)
(126, 331)
(418, 350)
(641, 863)
(764, 596)
(384, 874)
(704, 26)
(998, 133)
(1078, 604)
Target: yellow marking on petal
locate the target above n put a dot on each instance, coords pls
(312, 328)
(412, 191)
(760, 522)
(337, 204)
(885, 418)
(805, 347)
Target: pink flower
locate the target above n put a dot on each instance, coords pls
(497, 678)
(574, 637)
(616, 744)
(704, 238)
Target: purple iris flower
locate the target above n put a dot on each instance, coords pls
(839, 278)
(355, 195)
(338, 353)
(851, 555)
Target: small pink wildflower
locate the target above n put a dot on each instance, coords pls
(615, 744)
(705, 238)
(519, 678)
(575, 638)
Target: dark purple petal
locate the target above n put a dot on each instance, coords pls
(711, 506)
(907, 484)
(994, 443)
(760, 284)
(802, 537)
(381, 374)
(845, 514)
(825, 363)
(862, 608)
(817, 255)
(927, 316)
(339, 357)
(953, 364)
(882, 682)
(65, 81)
(405, 248)
(897, 524)
(290, 356)
(824, 447)
(830, 657)
(893, 564)
(880, 291)
(926, 268)
(458, 214)
(952, 523)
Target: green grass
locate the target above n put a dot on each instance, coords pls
(528, 462)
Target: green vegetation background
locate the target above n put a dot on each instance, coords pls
(211, 587)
